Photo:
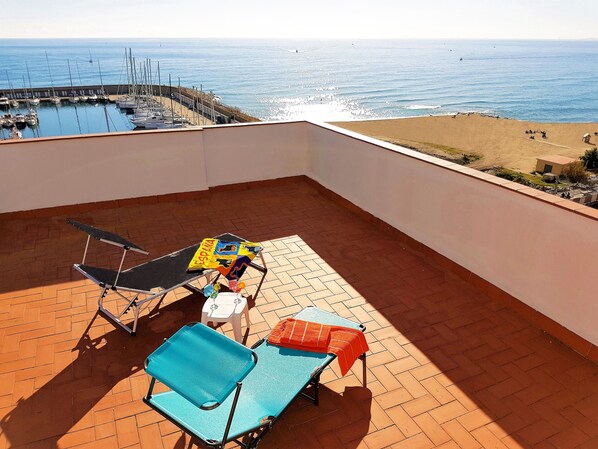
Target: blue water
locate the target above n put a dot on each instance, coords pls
(68, 119)
(551, 81)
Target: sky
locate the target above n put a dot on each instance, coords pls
(346, 19)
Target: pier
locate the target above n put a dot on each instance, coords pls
(199, 107)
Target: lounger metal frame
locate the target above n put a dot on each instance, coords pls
(135, 303)
(253, 436)
(141, 299)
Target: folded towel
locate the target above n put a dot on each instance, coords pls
(303, 334)
(345, 343)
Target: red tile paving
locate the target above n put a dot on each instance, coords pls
(449, 367)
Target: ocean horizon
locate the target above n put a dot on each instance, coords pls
(329, 79)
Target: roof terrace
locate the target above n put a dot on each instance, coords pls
(377, 234)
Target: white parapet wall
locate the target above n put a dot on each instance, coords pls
(58, 171)
(542, 254)
(255, 152)
(39, 173)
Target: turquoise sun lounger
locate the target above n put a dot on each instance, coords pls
(203, 368)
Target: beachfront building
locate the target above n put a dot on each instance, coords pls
(553, 164)
(480, 333)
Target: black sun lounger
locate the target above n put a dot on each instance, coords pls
(138, 286)
(222, 392)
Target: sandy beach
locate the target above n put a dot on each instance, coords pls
(485, 141)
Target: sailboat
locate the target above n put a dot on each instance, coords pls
(129, 101)
(54, 99)
(33, 101)
(12, 102)
(31, 119)
(102, 96)
(20, 121)
(82, 98)
(73, 98)
(7, 121)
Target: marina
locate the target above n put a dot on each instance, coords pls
(97, 109)
(69, 119)
(63, 111)
(138, 104)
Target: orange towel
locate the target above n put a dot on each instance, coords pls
(300, 334)
(345, 343)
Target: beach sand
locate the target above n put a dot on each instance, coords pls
(497, 141)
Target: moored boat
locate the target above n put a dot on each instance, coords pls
(126, 102)
(7, 121)
(33, 101)
(15, 133)
(20, 121)
(54, 99)
(165, 125)
(32, 119)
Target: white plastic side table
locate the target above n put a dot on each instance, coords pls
(227, 308)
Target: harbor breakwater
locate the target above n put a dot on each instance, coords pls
(205, 103)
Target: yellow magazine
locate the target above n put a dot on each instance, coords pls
(229, 258)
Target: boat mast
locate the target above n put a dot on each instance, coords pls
(103, 93)
(133, 74)
(50, 72)
(171, 102)
(180, 98)
(79, 74)
(148, 78)
(159, 84)
(127, 68)
(203, 117)
(129, 75)
(25, 86)
(12, 89)
(30, 86)
(101, 80)
(71, 78)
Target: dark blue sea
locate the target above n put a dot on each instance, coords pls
(550, 81)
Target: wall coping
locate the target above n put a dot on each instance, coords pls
(529, 192)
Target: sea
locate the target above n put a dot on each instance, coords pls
(328, 80)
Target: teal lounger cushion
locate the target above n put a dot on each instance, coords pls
(279, 375)
(201, 364)
(277, 378)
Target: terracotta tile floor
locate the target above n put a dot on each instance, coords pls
(448, 367)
